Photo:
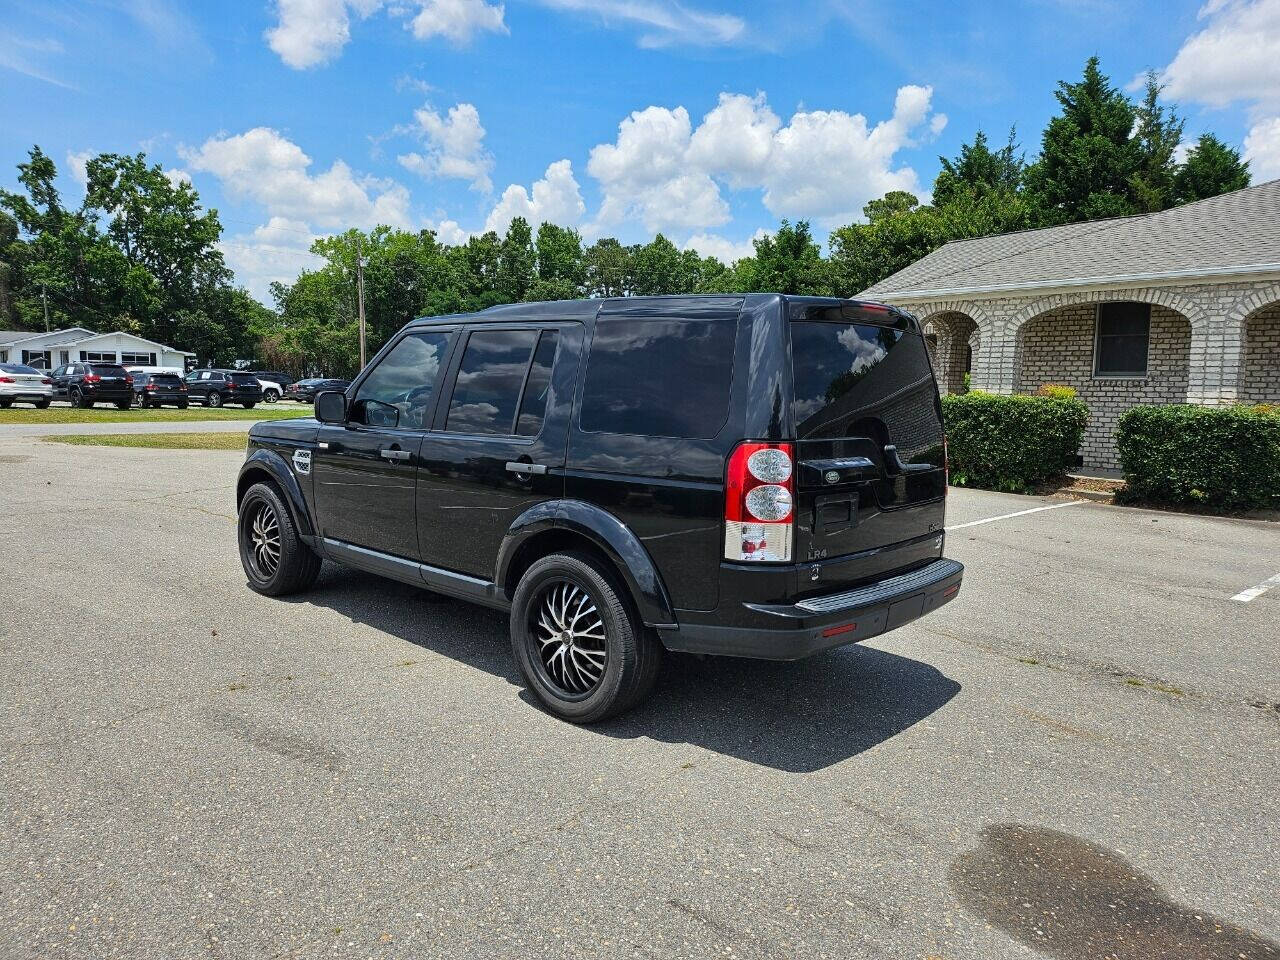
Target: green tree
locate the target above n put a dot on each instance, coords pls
(979, 171)
(789, 261)
(517, 263)
(1158, 133)
(1211, 168)
(660, 268)
(561, 272)
(1088, 157)
(608, 268)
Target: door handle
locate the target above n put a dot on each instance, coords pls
(515, 466)
(389, 454)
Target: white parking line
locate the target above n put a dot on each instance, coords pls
(1244, 596)
(1020, 513)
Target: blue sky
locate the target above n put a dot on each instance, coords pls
(706, 119)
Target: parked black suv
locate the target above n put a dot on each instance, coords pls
(213, 388)
(84, 384)
(759, 476)
(304, 391)
(157, 389)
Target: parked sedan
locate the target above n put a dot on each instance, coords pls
(157, 389)
(304, 391)
(22, 384)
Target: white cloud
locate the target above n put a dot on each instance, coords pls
(457, 20)
(310, 33)
(1235, 57)
(278, 250)
(264, 166)
(1262, 150)
(822, 164)
(176, 177)
(725, 250)
(78, 163)
(661, 23)
(313, 32)
(555, 198)
(455, 146)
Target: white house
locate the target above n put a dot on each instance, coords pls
(45, 351)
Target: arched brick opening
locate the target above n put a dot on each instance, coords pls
(951, 349)
(1260, 371)
(1058, 347)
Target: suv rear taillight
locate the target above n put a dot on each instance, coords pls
(759, 502)
(91, 378)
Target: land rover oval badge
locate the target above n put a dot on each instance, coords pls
(302, 461)
(832, 476)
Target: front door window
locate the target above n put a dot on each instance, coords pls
(399, 391)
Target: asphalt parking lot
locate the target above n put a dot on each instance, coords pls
(1076, 758)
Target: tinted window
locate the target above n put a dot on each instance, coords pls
(169, 380)
(404, 379)
(533, 408)
(108, 370)
(1123, 332)
(18, 368)
(489, 380)
(830, 361)
(659, 378)
(248, 378)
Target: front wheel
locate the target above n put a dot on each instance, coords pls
(274, 558)
(578, 645)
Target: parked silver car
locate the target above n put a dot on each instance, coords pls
(22, 384)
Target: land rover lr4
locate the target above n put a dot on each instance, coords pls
(752, 476)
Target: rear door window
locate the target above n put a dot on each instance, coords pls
(486, 394)
(533, 408)
(658, 377)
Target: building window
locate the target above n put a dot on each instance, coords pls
(139, 359)
(91, 356)
(1123, 335)
(36, 358)
(4, 356)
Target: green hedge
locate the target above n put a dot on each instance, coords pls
(1011, 442)
(1219, 458)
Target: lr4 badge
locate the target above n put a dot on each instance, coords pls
(302, 461)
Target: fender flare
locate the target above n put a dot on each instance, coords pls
(274, 465)
(614, 538)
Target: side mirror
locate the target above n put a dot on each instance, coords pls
(331, 407)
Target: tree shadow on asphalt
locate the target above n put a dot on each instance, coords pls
(797, 717)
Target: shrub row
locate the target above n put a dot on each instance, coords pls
(1011, 442)
(1219, 458)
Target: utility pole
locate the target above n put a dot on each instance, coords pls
(360, 296)
(44, 295)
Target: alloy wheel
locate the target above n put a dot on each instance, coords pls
(569, 633)
(263, 532)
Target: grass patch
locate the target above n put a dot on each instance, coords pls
(157, 415)
(229, 440)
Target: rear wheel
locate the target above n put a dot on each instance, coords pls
(182, 404)
(123, 404)
(275, 559)
(213, 400)
(42, 404)
(5, 404)
(271, 396)
(579, 647)
(250, 404)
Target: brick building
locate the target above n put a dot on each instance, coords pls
(1180, 306)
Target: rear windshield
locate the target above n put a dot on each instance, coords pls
(108, 369)
(166, 378)
(844, 368)
(659, 378)
(17, 368)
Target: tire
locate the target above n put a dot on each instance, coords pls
(42, 404)
(264, 516)
(124, 404)
(5, 404)
(182, 405)
(214, 399)
(548, 596)
(250, 405)
(79, 400)
(271, 396)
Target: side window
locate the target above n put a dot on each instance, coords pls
(399, 390)
(487, 391)
(533, 407)
(659, 378)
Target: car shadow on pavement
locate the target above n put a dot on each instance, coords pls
(796, 717)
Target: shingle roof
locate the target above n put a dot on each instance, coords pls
(8, 336)
(1234, 233)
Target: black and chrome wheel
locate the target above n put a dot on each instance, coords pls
(214, 399)
(275, 559)
(579, 647)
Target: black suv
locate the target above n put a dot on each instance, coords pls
(84, 384)
(756, 476)
(304, 391)
(157, 389)
(214, 388)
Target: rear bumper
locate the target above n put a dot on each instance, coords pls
(13, 391)
(793, 631)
